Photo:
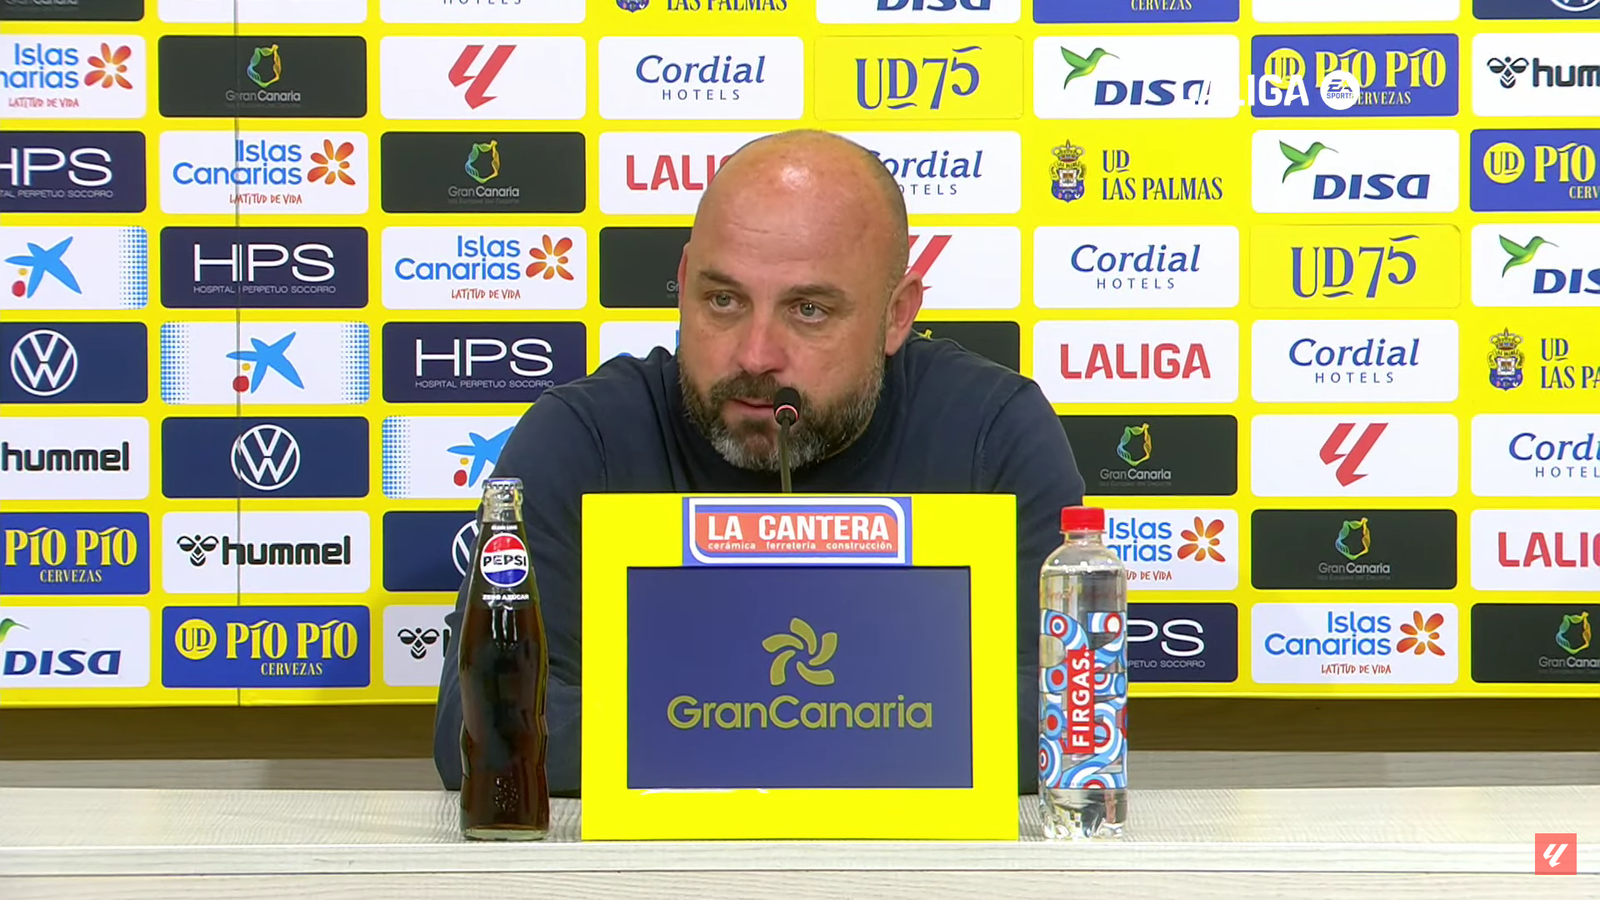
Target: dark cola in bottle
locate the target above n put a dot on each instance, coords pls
(504, 666)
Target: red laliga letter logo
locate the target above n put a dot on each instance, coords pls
(1555, 854)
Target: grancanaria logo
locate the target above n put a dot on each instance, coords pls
(1355, 539)
(1573, 635)
(785, 710)
(801, 636)
(266, 66)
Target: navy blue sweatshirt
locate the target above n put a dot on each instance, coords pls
(948, 421)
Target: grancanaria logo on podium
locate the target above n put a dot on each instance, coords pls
(801, 636)
(786, 710)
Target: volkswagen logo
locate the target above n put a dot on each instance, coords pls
(463, 545)
(44, 362)
(266, 457)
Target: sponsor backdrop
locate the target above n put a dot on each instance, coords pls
(1314, 286)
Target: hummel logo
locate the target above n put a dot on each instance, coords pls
(801, 636)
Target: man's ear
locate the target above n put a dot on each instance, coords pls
(905, 302)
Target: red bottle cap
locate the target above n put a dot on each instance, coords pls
(1083, 518)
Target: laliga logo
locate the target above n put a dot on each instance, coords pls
(801, 636)
(504, 562)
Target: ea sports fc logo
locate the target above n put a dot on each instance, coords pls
(504, 562)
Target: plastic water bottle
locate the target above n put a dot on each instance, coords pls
(1083, 683)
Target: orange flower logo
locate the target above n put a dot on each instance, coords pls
(1421, 636)
(108, 68)
(1203, 541)
(331, 164)
(551, 259)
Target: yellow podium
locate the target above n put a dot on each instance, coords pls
(799, 666)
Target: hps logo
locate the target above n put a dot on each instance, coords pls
(801, 636)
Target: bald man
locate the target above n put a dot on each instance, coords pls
(794, 276)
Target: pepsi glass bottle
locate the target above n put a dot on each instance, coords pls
(504, 667)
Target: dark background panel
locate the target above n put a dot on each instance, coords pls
(1515, 643)
(317, 77)
(1189, 455)
(75, 11)
(639, 266)
(1288, 546)
(546, 170)
(999, 341)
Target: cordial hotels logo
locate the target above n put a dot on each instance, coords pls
(90, 267)
(1540, 265)
(69, 554)
(1137, 362)
(1356, 11)
(73, 77)
(652, 173)
(414, 642)
(951, 172)
(266, 552)
(485, 268)
(1535, 75)
(312, 173)
(1378, 75)
(1535, 170)
(1354, 456)
(72, 171)
(918, 12)
(1161, 12)
(918, 78)
(1335, 361)
(483, 78)
(276, 363)
(266, 12)
(1145, 77)
(512, 12)
(1535, 550)
(1518, 455)
(74, 647)
(441, 457)
(1177, 550)
(702, 78)
(71, 458)
(1137, 267)
(968, 267)
(1354, 643)
(1340, 171)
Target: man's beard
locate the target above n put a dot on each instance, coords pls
(821, 431)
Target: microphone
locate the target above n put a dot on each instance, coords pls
(786, 409)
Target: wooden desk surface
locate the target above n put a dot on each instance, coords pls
(306, 845)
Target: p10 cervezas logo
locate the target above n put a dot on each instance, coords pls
(816, 531)
(1535, 170)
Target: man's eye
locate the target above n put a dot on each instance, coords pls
(722, 300)
(811, 311)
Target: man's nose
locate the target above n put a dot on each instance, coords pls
(761, 346)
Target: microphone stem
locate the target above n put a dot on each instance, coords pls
(783, 457)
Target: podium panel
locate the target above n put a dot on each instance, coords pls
(799, 666)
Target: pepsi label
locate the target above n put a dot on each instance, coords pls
(504, 561)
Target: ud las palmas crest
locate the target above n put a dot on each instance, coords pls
(1505, 361)
(1068, 172)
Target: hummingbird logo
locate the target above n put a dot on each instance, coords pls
(801, 636)
(6, 625)
(1520, 254)
(1082, 66)
(1300, 160)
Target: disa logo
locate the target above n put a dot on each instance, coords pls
(786, 711)
(1355, 171)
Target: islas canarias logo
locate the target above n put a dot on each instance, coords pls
(810, 654)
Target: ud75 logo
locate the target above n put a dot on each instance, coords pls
(816, 531)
